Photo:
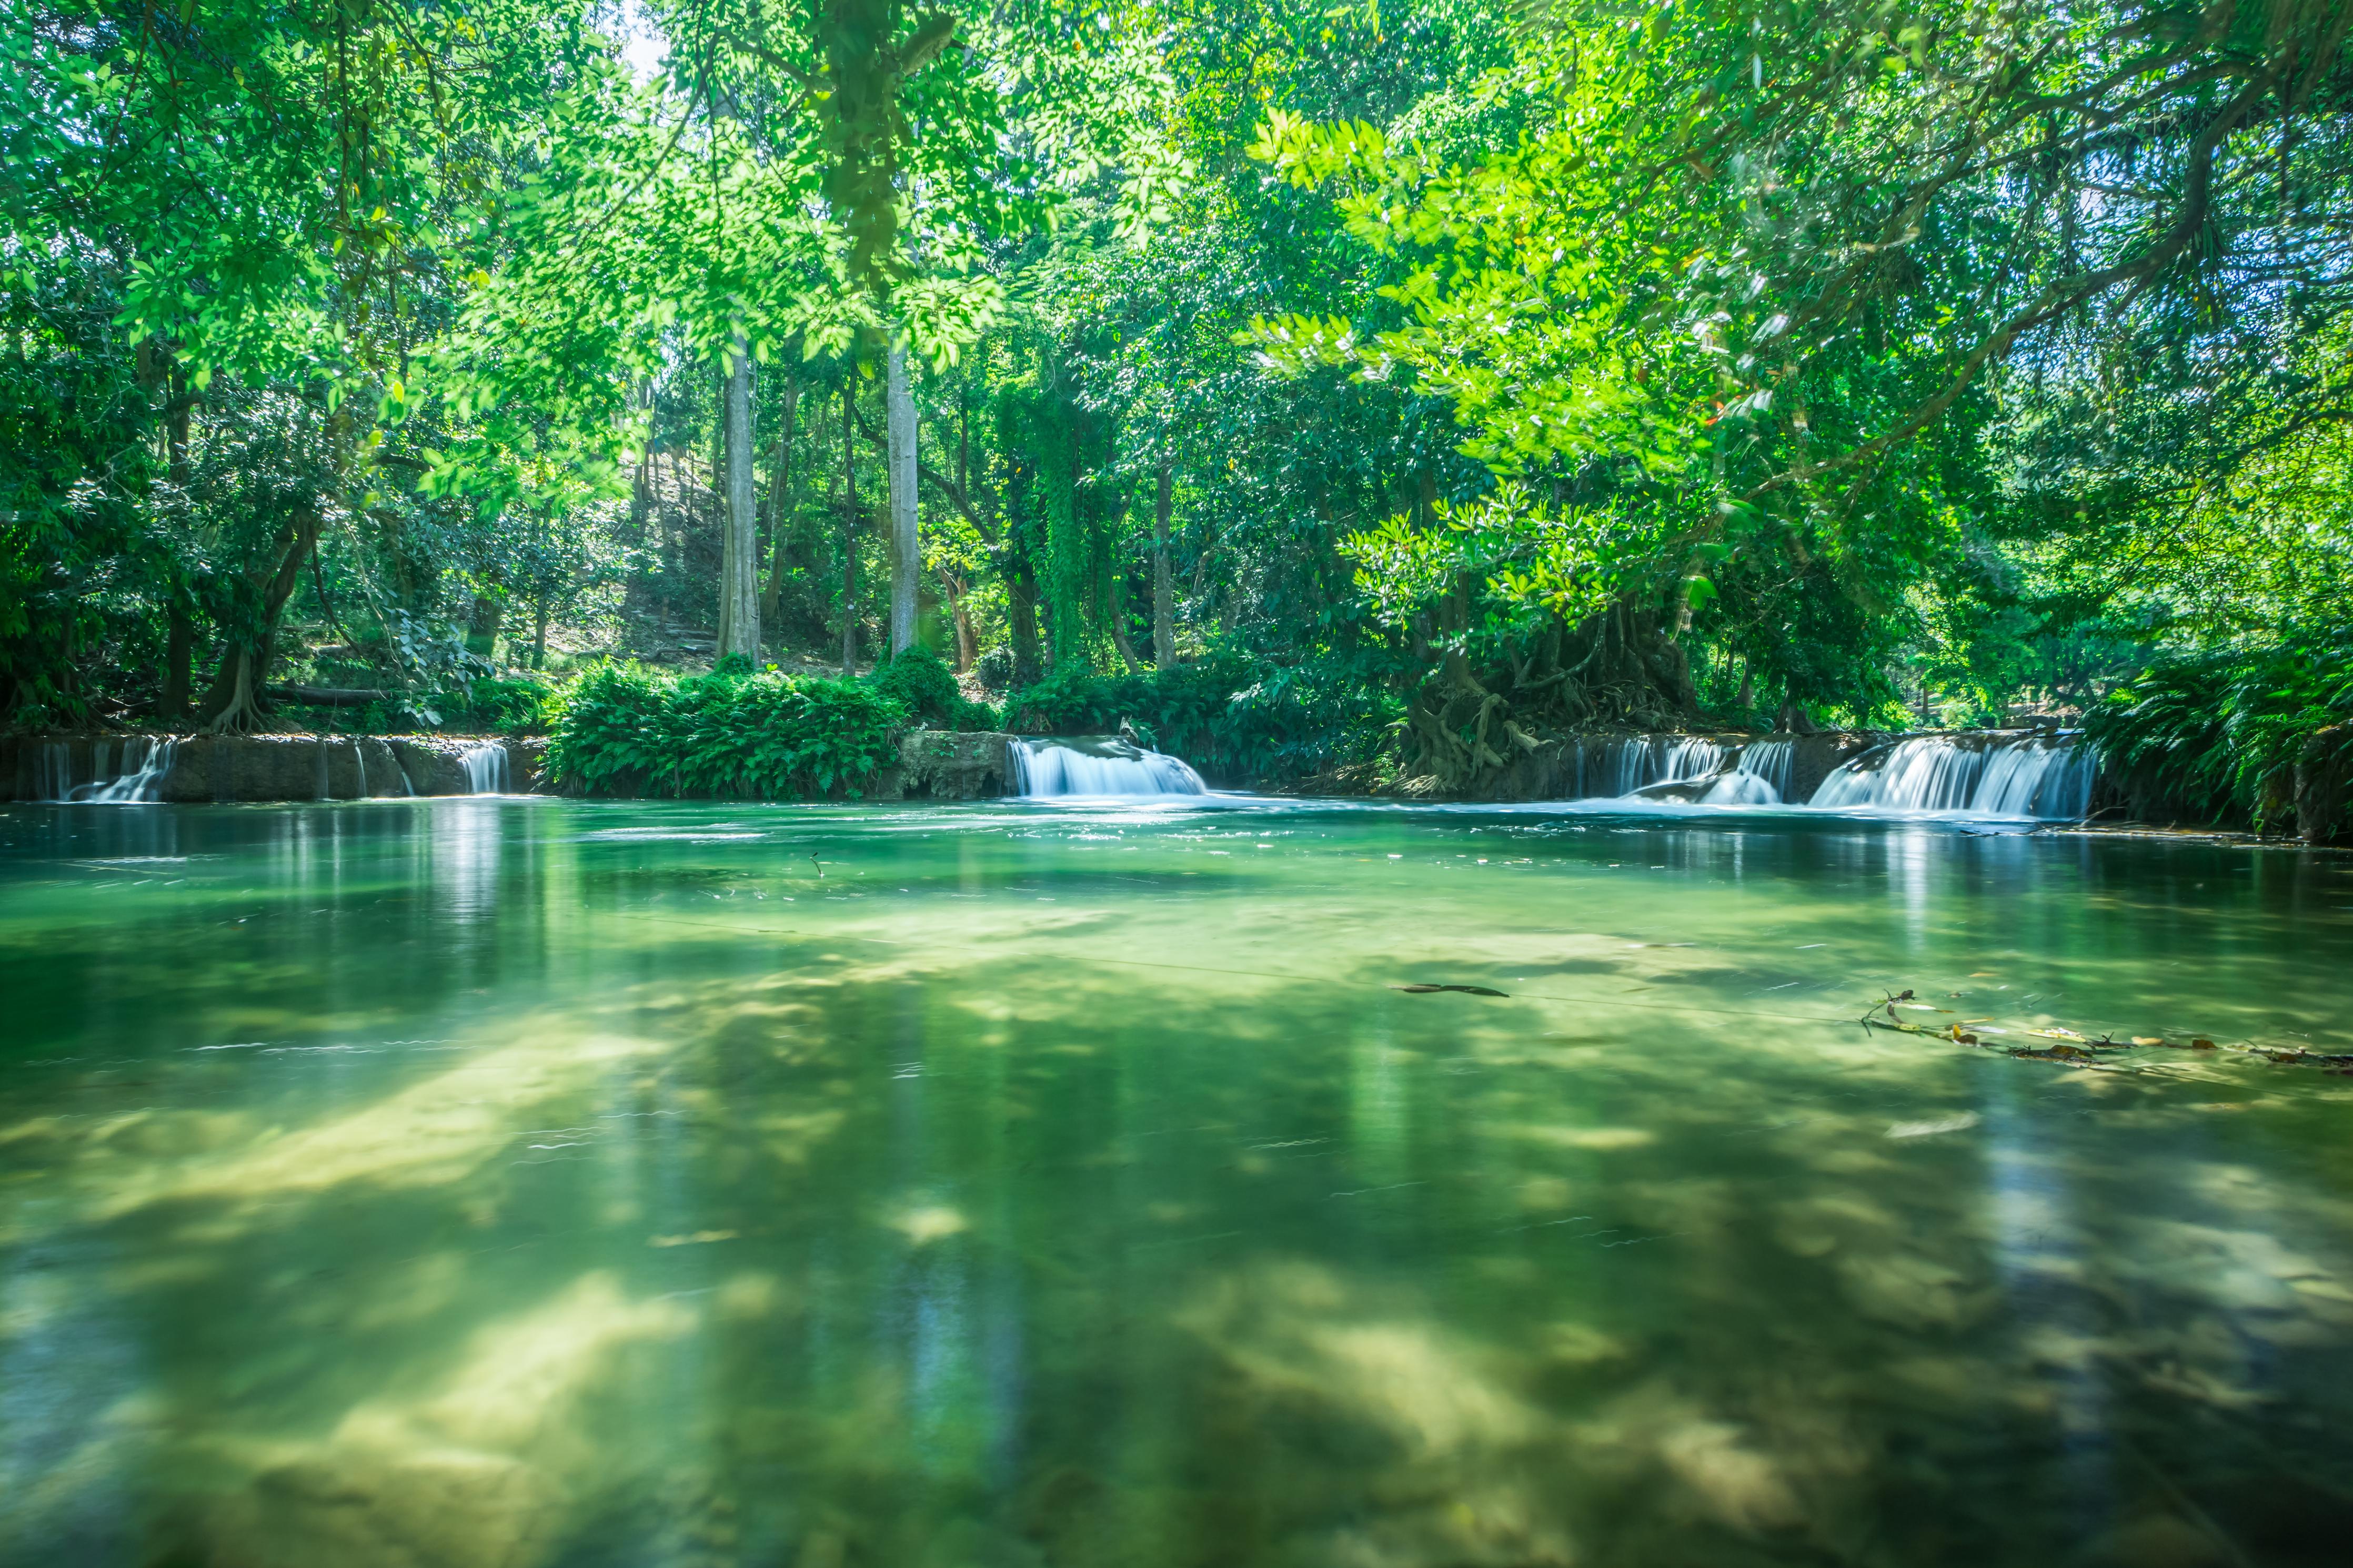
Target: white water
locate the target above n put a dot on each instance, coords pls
(132, 779)
(486, 767)
(1770, 761)
(1993, 775)
(1740, 787)
(1661, 759)
(1097, 765)
(1999, 777)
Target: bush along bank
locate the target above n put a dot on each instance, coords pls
(736, 734)
(625, 730)
(2250, 737)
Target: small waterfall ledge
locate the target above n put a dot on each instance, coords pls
(202, 769)
(485, 763)
(2043, 774)
(1060, 765)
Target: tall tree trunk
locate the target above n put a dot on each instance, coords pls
(234, 703)
(482, 624)
(1021, 611)
(539, 634)
(739, 590)
(849, 531)
(179, 660)
(906, 549)
(1164, 580)
(782, 513)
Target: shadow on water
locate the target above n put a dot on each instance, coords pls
(509, 1182)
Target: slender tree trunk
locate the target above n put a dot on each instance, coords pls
(967, 644)
(739, 593)
(539, 634)
(849, 531)
(179, 660)
(782, 513)
(1164, 580)
(906, 547)
(180, 630)
(1022, 610)
(1119, 637)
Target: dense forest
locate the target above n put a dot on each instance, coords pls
(1339, 394)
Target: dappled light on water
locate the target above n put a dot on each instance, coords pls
(509, 1182)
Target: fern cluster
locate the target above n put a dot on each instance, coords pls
(622, 729)
(2217, 736)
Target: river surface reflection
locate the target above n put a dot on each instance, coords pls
(493, 1183)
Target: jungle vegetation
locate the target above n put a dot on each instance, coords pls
(1336, 392)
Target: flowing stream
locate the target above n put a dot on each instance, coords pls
(533, 1184)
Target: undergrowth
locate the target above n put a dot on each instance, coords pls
(1236, 717)
(2218, 736)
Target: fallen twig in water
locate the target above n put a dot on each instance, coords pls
(1420, 988)
(2073, 1050)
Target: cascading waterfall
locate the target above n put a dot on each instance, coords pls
(1644, 761)
(1098, 765)
(1993, 775)
(146, 781)
(486, 767)
(136, 778)
(2049, 778)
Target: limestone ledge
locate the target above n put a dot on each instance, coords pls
(209, 768)
(933, 765)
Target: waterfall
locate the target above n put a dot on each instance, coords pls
(1998, 777)
(1094, 764)
(1771, 761)
(53, 775)
(154, 762)
(486, 767)
(1644, 761)
(145, 763)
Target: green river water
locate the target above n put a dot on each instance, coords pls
(481, 1184)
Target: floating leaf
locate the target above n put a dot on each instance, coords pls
(1422, 989)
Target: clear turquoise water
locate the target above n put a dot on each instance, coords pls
(480, 1182)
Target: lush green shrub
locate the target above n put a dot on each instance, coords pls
(1237, 718)
(2216, 736)
(513, 707)
(621, 728)
(926, 688)
(994, 670)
